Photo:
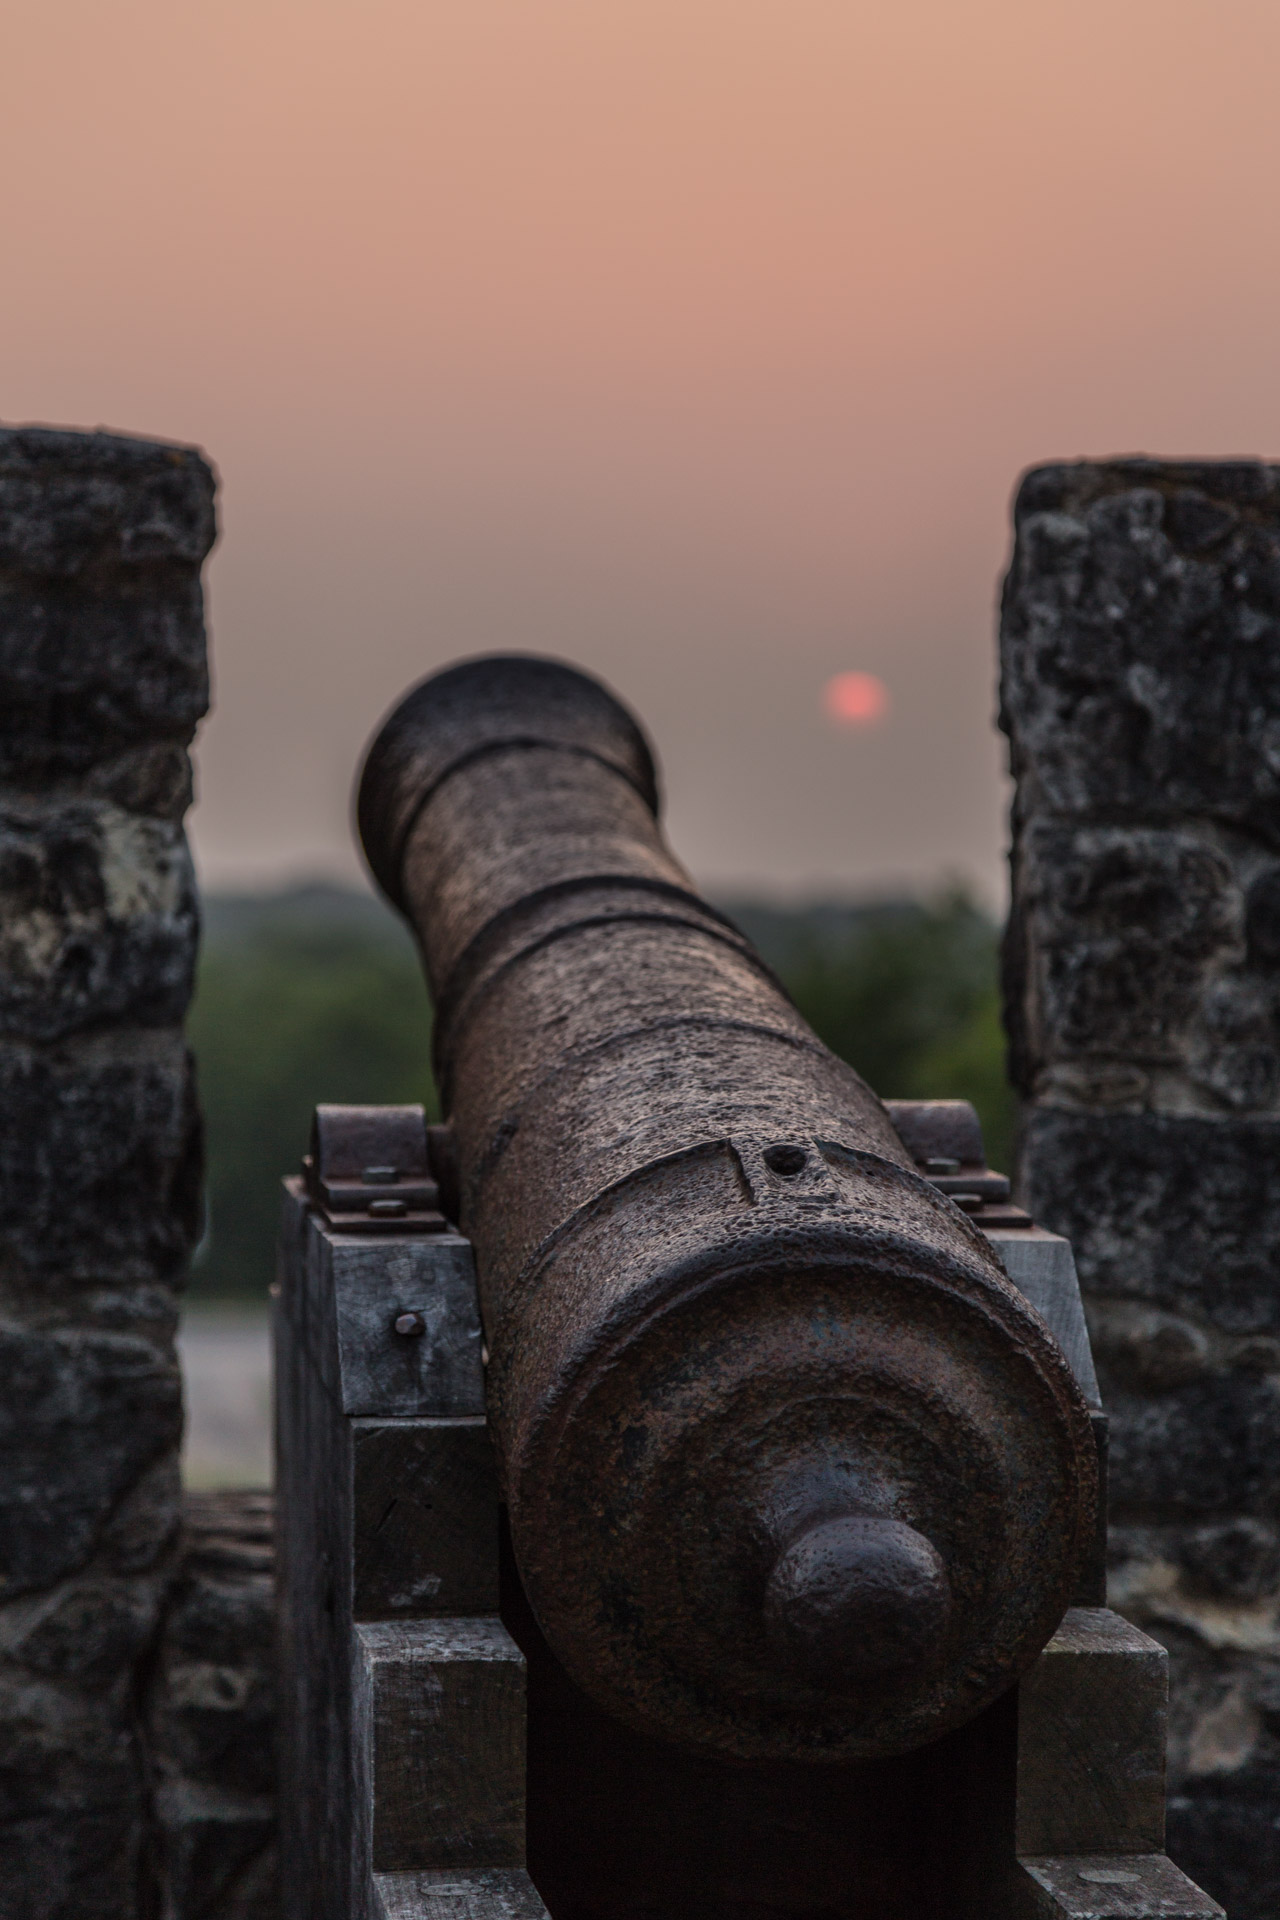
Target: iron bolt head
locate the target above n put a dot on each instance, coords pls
(411, 1325)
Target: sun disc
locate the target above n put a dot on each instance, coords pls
(856, 699)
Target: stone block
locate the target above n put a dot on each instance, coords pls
(144, 1523)
(1143, 1347)
(217, 1720)
(74, 503)
(1208, 1447)
(1229, 1840)
(83, 1633)
(81, 1862)
(1140, 642)
(222, 1604)
(101, 618)
(99, 1156)
(82, 1416)
(1224, 1723)
(152, 778)
(1235, 1559)
(72, 1804)
(1141, 977)
(211, 1714)
(1179, 1211)
(217, 1853)
(1126, 929)
(1140, 654)
(61, 1749)
(1224, 1748)
(102, 680)
(213, 1695)
(98, 919)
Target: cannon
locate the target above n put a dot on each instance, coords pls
(794, 1479)
(791, 1468)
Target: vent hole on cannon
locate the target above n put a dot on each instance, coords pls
(785, 1159)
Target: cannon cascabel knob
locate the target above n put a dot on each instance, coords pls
(858, 1599)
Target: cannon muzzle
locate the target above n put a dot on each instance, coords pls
(792, 1469)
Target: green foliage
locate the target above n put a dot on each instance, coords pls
(909, 996)
(283, 1020)
(317, 995)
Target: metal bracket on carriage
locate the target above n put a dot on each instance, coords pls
(944, 1138)
(374, 1170)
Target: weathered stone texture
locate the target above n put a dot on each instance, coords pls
(101, 616)
(1183, 1212)
(1141, 643)
(211, 1710)
(1140, 652)
(98, 919)
(102, 680)
(83, 1414)
(99, 1158)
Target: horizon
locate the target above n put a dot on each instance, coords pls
(702, 345)
(362, 888)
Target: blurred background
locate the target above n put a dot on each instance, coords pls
(698, 343)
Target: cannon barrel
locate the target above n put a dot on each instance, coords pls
(792, 1469)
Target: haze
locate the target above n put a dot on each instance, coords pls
(699, 343)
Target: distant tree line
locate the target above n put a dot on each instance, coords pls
(316, 995)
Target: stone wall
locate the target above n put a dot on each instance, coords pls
(1141, 663)
(210, 1714)
(102, 681)
(1141, 694)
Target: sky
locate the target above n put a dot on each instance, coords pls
(700, 342)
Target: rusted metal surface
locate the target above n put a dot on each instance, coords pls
(792, 1469)
(369, 1170)
(944, 1139)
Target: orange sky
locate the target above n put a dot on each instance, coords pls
(701, 343)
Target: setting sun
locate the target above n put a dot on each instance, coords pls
(856, 699)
